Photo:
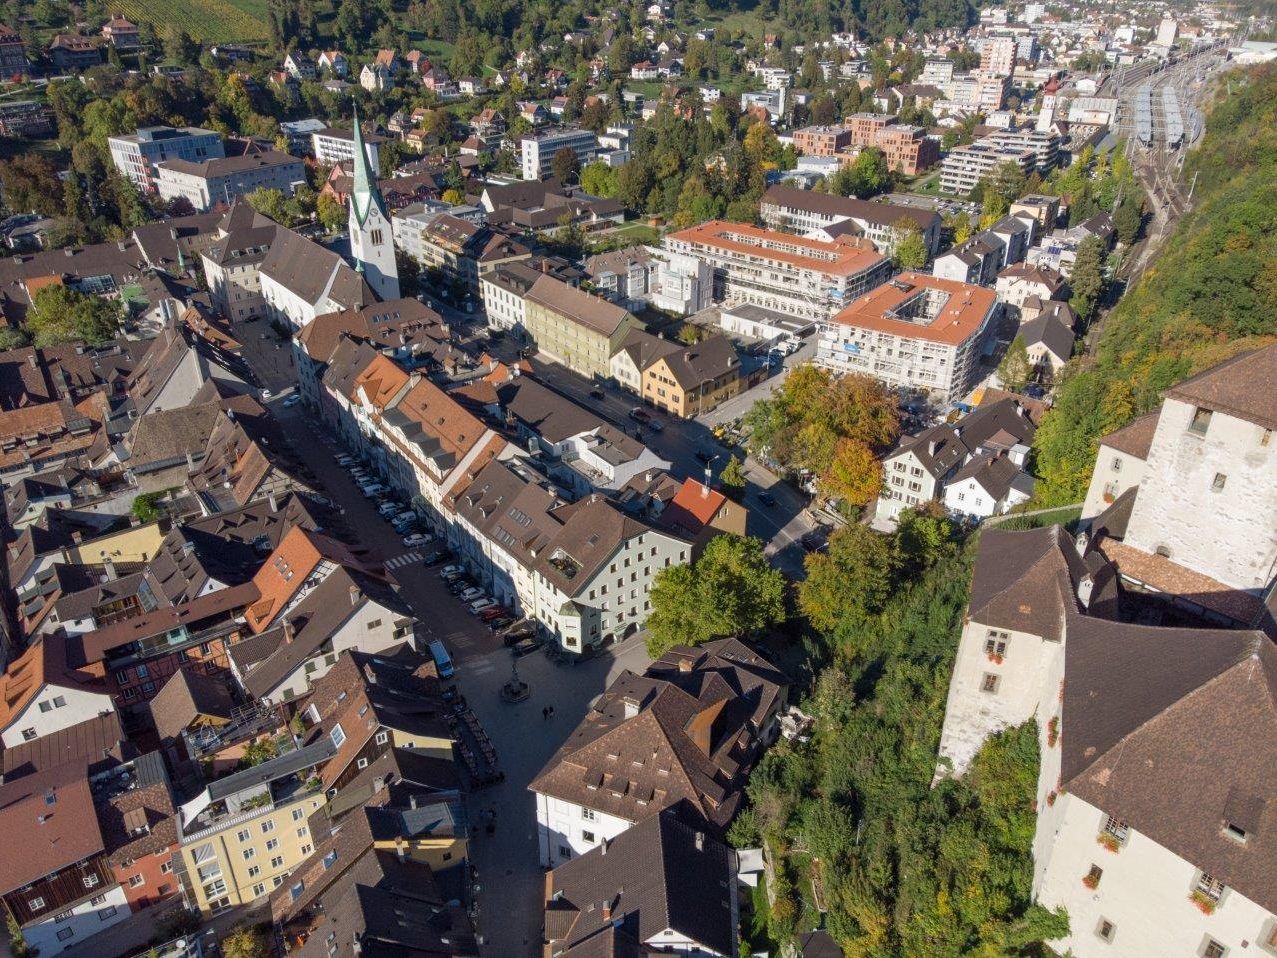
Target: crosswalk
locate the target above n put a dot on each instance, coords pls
(408, 558)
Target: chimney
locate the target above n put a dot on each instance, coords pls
(274, 503)
(603, 846)
(355, 595)
(401, 848)
(32, 361)
(607, 910)
(1085, 587)
(700, 841)
(290, 631)
(190, 462)
(685, 665)
(108, 568)
(705, 484)
(412, 801)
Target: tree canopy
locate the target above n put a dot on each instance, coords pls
(60, 314)
(731, 590)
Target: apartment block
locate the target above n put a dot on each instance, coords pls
(965, 166)
(537, 152)
(806, 211)
(908, 149)
(915, 331)
(138, 155)
(822, 140)
(243, 834)
(997, 55)
(575, 328)
(209, 182)
(331, 146)
(778, 271)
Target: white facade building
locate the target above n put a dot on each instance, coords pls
(209, 182)
(537, 152)
(138, 155)
(916, 331)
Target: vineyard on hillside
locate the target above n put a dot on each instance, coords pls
(211, 21)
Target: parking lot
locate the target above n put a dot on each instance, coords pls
(440, 614)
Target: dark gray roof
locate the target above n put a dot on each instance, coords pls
(662, 873)
(186, 696)
(693, 366)
(311, 271)
(830, 204)
(314, 620)
(1051, 333)
(994, 473)
(295, 761)
(944, 447)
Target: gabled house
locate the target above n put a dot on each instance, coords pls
(686, 731)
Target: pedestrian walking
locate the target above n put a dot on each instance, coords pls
(545, 712)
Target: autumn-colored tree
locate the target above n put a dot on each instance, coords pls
(331, 212)
(854, 474)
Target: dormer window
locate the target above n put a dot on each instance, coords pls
(1200, 422)
(1235, 832)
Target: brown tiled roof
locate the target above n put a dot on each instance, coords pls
(1164, 575)
(1135, 438)
(187, 696)
(100, 742)
(1174, 732)
(1024, 581)
(694, 366)
(371, 324)
(286, 570)
(586, 309)
(311, 272)
(48, 822)
(961, 317)
(381, 380)
(667, 736)
(1244, 386)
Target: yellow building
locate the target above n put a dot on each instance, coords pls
(693, 380)
(577, 329)
(245, 833)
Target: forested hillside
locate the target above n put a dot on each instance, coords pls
(1212, 292)
(852, 820)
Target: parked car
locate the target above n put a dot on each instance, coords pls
(450, 569)
(639, 414)
(266, 394)
(344, 460)
(373, 489)
(499, 623)
(654, 424)
(418, 539)
(597, 393)
(388, 508)
(478, 605)
(437, 556)
(767, 499)
(292, 401)
(526, 646)
(470, 594)
(493, 613)
(705, 455)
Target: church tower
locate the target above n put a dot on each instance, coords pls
(371, 243)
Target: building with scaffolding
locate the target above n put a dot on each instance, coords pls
(916, 332)
(782, 272)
